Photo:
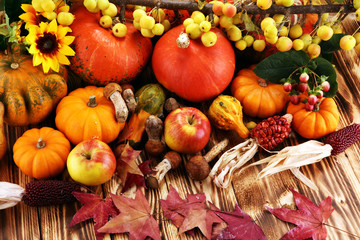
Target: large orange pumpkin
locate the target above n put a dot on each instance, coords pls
(101, 57)
(317, 123)
(258, 97)
(85, 113)
(196, 73)
(28, 94)
(41, 153)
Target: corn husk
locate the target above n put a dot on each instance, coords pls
(293, 157)
(10, 194)
(232, 160)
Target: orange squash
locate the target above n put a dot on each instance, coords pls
(28, 94)
(41, 153)
(258, 97)
(85, 113)
(315, 124)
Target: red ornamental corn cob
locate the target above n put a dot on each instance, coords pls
(343, 138)
(39, 193)
(272, 131)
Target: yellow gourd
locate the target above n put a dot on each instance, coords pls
(226, 114)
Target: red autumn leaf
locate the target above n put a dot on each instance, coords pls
(135, 218)
(240, 226)
(137, 179)
(96, 208)
(190, 213)
(309, 218)
(127, 165)
(173, 202)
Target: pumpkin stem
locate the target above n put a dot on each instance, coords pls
(262, 82)
(92, 101)
(183, 40)
(14, 65)
(316, 107)
(40, 143)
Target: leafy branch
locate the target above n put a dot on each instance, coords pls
(250, 9)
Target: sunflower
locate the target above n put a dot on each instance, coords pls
(31, 16)
(49, 45)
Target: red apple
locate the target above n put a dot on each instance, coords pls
(91, 162)
(186, 130)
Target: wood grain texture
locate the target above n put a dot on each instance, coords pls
(338, 177)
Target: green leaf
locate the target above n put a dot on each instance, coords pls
(339, 1)
(13, 9)
(331, 45)
(324, 67)
(280, 65)
(249, 25)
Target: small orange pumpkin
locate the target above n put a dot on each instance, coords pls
(317, 123)
(41, 153)
(85, 113)
(258, 97)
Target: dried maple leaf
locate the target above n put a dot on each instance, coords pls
(127, 168)
(190, 213)
(309, 218)
(96, 208)
(137, 179)
(240, 226)
(135, 218)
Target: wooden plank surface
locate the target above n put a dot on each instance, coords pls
(338, 177)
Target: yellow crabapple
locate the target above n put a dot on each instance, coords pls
(284, 44)
(119, 30)
(241, 45)
(147, 32)
(264, 4)
(249, 40)
(266, 22)
(347, 42)
(209, 39)
(234, 33)
(217, 8)
(283, 31)
(103, 4)
(278, 18)
(313, 50)
(295, 31)
(325, 32)
(229, 10)
(167, 25)
(225, 21)
(111, 10)
(193, 30)
(259, 45)
(298, 44)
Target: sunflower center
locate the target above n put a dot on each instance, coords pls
(47, 44)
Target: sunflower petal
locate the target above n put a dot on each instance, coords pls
(67, 40)
(62, 59)
(46, 65)
(28, 8)
(52, 27)
(37, 59)
(43, 26)
(62, 31)
(28, 17)
(33, 49)
(66, 50)
(54, 64)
